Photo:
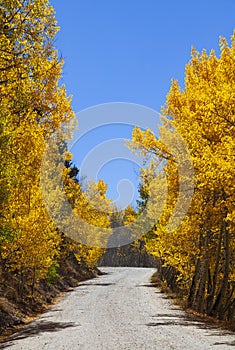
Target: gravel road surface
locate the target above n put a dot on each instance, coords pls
(119, 310)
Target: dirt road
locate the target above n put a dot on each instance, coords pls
(119, 310)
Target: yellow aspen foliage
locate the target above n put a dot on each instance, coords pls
(33, 106)
(92, 208)
(201, 248)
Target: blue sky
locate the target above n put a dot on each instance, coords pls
(128, 51)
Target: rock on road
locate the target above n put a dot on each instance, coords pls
(119, 310)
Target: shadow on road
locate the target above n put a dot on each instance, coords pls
(36, 328)
(96, 284)
(180, 320)
(152, 285)
(231, 343)
(185, 320)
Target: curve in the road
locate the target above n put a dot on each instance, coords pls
(119, 310)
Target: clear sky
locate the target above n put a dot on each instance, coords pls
(128, 51)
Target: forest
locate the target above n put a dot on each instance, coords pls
(197, 257)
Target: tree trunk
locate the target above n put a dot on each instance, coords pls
(215, 275)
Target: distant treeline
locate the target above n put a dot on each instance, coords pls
(128, 255)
